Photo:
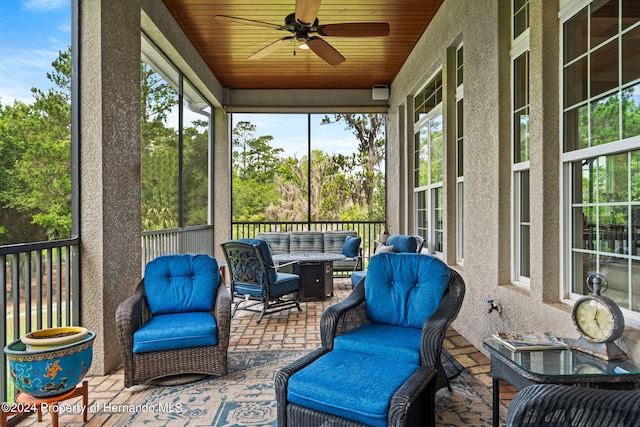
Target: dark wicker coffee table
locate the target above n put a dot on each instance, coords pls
(569, 367)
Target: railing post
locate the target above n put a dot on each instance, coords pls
(3, 326)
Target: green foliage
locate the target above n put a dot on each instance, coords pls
(196, 175)
(363, 168)
(269, 187)
(35, 153)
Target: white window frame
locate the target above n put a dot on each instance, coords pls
(431, 187)
(568, 9)
(519, 46)
(459, 178)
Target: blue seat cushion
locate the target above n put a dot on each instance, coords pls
(285, 283)
(350, 386)
(172, 331)
(357, 276)
(403, 243)
(404, 289)
(393, 342)
(181, 283)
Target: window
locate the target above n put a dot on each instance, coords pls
(459, 155)
(520, 17)
(601, 143)
(520, 143)
(302, 169)
(175, 134)
(429, 164)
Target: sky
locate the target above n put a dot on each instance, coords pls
(33, 32)
(290, 132)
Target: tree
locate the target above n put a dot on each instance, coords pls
(196, 174)
(363, 166)
(159, 148)
(36, 140)
(254, 157)
(254, 166)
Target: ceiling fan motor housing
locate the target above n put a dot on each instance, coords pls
(293, 25)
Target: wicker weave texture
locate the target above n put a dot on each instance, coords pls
(140, 368)
(552, 405)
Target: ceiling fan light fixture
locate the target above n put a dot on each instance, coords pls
(304, 46)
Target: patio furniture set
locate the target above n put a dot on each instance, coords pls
(391, 352)
(379, 362)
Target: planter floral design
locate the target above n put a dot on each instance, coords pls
(51, 371)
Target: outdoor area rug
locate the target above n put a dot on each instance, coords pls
(245, 397)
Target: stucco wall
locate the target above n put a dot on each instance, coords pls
(110, 168)
(484, 29)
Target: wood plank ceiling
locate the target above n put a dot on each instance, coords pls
(226, 45)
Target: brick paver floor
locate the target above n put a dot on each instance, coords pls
(286, 330)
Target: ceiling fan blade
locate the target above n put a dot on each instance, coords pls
(325, 51)
(251, 22)
(306, 11)
(268, 50)
(355, 29)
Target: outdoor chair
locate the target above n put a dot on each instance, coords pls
(553, 405)
(398, 315)
(175, 328)
(255, 280)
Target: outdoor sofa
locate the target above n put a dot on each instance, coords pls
(345, 242)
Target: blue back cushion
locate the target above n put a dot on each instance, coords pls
(403, 243)
(404, 289)
(181, 283)
(265, 252)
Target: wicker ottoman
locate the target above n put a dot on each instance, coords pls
(341, 388)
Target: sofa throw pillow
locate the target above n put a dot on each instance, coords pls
(383, 248)
(351, 246)
(403, 243)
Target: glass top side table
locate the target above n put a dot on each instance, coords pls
(569, 367)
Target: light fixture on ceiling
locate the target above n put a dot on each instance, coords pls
(304, 46)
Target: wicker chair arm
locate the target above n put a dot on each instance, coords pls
(222, 313)
(435, 328)
(281, 381)
(552, 405)
(409, 392)
(129, 318)
(342, 317)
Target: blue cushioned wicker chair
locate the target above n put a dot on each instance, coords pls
(255, 281)
(175, 327)
(389, 328)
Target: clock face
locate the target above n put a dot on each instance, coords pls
(594, 319)
(587, 369)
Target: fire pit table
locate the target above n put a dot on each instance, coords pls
(316, 272)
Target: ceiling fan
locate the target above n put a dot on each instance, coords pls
(303, 23)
